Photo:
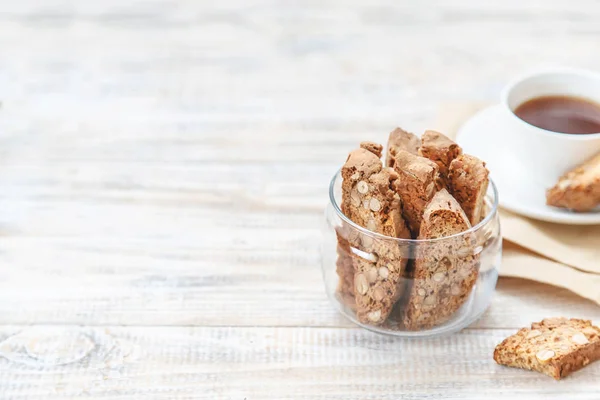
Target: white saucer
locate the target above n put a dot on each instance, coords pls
(482, 136)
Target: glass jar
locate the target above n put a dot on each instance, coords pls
(411, 288)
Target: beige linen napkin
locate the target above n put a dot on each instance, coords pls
(567, 256)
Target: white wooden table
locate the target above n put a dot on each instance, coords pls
(163, 170)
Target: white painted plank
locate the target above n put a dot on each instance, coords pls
(270, 363)
(171, 282)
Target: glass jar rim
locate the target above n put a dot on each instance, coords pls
(482, 223)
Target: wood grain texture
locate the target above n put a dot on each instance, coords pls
(281, 363)
(163, 171)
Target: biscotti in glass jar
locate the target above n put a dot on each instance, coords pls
(400, 254)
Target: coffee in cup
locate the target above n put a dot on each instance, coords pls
(562, 114)
(537, 107)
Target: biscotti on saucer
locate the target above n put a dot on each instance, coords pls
(578, 189)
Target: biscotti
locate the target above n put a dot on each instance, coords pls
(378, 265)
(578, 189)
(416, 185)
(468, 180)
(416, 284)
(400, 140)
(555, 347)
(344, 267)
(441, 150)
(372, 147)
(445, 271)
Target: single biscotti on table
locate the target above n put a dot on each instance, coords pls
(555, 347)
(377, 264)
(441, 150)
(400, 140)
(578, 189)
(444, 271)
(417, 177)
(468, 180)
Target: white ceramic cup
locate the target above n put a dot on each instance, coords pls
(545, 154)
